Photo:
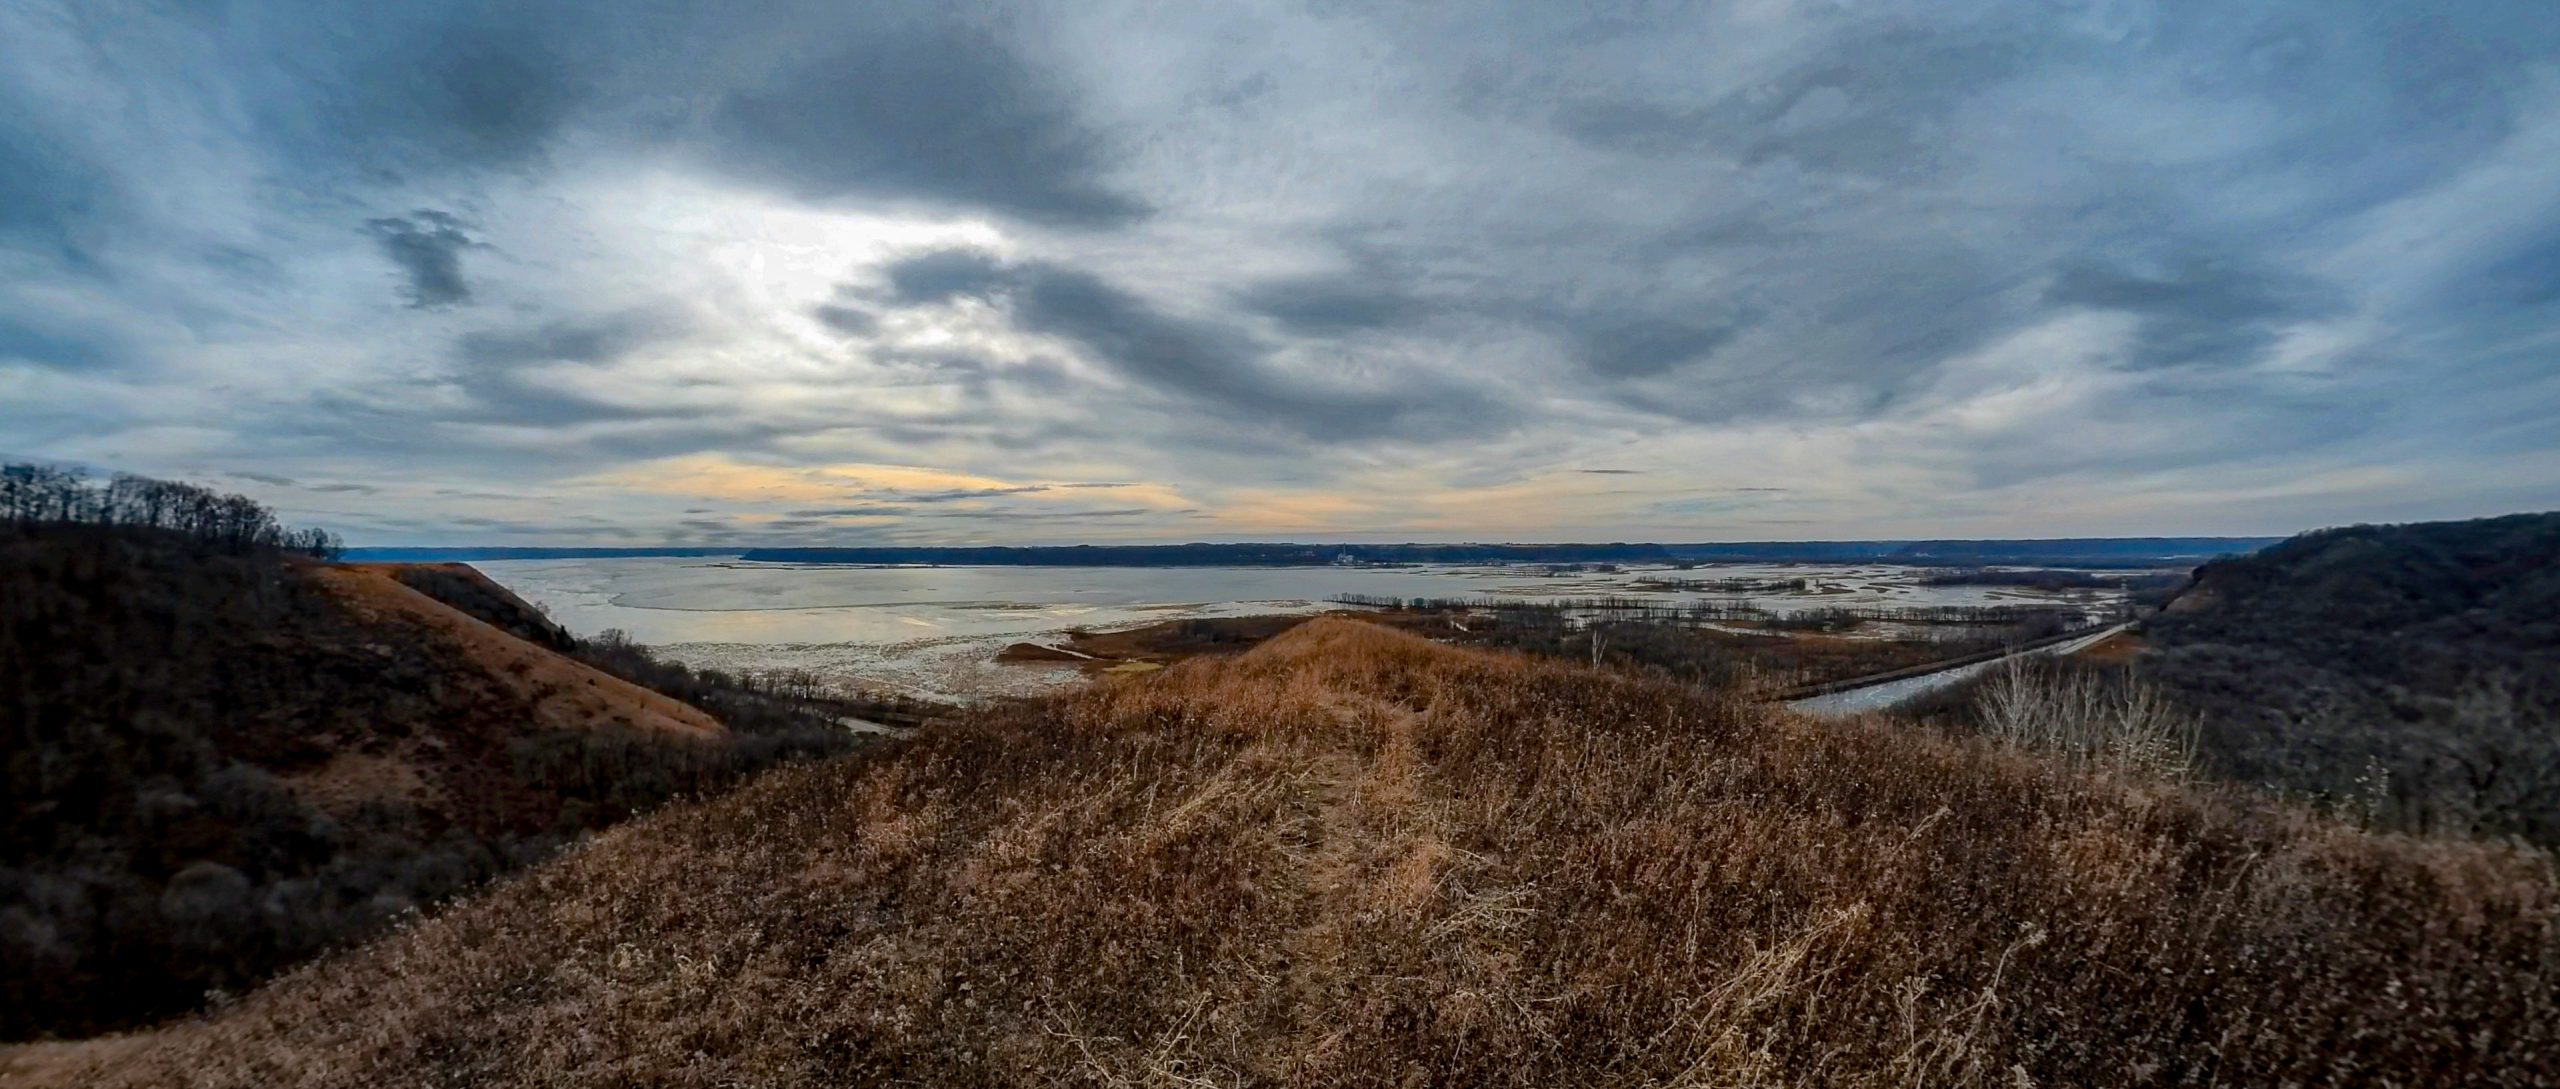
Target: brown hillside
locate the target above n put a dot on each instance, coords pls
(221, 763)
(465, 588)
(562, 692)
(518, 687)
(1352, 857)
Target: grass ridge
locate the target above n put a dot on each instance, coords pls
(1352, 857)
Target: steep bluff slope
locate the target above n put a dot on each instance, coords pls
(556, 691)
(220, 763)
(465, 588)
(1352, 857)
(2411, 669)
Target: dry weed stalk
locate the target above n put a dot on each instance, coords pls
(2085, 715)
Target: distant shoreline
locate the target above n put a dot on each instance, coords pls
(2106, 552)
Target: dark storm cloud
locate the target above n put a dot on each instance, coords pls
(941, 275)
(48, 194)
(1640, 346)
(1862, 309)
(1211, 363)
(2524, 276)
(426, 246)
(1222, 366)
(901, 101)
(927, 112)
(1331, 307)
(459, 88)
(508, 398)
(587, 340)
(502, 373)
(50, 341)
(1862, 104)
(649, 433)
(511, 409)
(2197, 311)
(1860, 319)
(847, 320)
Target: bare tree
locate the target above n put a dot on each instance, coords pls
(2089, 716)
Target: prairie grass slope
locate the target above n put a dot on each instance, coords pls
(562, 692)
(1353, 857)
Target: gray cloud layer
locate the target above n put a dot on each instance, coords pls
(933, 113)
(427, 248)
(1896, 267)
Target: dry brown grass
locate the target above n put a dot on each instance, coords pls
(564, 693)
(1352, 857)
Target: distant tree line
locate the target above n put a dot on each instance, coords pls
(2036, 619)
(1218, 555)
(2092, 552)
(40, 495)
(2037, 578)
(1686, 644)
(1727, 585)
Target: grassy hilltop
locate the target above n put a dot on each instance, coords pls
(1355, 857)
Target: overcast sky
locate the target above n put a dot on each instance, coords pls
(621, 272)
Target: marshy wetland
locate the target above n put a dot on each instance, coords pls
(937, 631)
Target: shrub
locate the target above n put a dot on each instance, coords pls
(2087, 714)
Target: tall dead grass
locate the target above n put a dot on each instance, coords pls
(2088, 715)
(1354, 858)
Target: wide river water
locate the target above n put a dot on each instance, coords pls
(935, 630)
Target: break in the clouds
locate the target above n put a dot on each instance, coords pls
(578, 272)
